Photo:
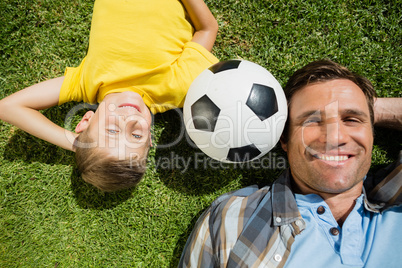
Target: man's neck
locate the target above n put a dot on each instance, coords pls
(340, 204)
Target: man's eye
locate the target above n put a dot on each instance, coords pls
(352, 121)
(312, 120)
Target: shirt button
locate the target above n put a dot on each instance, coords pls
(277, 257)
(320, 210)
(299, 223)
(334, 231)
(278, 219)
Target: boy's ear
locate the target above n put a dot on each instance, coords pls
(84, 123)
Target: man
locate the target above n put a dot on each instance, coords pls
(324, 211)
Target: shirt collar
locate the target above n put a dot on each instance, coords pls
(382, 190)
(379, 193)
(284, 206)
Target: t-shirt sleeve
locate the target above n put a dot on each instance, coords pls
(72, 88)
(192, 47)
(194, 59)
(192, 62)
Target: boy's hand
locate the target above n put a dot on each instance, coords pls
(22, 110)
(206, 27)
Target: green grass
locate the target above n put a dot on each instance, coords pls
(50, 218)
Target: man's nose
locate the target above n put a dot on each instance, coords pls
(333, 129)
(335, 134)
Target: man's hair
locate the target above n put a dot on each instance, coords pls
(106, 172)
(323, 71)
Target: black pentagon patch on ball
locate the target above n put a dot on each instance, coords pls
(224, 65)
(242, 154)
(262, 101)
(204, 114)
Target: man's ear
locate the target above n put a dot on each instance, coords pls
(284, 143)
(84, 123)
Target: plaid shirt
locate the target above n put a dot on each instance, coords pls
(255, 227)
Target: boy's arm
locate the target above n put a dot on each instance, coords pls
(206, 27)
(388, 113)
(22, 110)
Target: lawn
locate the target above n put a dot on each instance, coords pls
(50, 218)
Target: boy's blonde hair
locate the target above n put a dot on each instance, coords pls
(106, 172)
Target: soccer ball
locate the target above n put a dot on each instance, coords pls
(235, 111)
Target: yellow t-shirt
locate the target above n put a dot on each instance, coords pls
(139, 45)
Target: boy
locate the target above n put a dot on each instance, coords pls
(142, 57)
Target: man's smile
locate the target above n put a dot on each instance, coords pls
(335, 158)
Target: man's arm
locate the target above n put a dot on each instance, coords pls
(206, 27)
(198, 251)
(22, 110)
(388, 113)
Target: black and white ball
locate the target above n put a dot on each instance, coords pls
(235, 111)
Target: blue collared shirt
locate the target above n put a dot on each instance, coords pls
(360, 242)
(255, 227)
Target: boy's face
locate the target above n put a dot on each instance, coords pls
(120, 126)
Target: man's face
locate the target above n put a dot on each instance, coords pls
(330, 137)
(121, 126)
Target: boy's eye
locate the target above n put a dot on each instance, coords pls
(137, 136)
(112, 131)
